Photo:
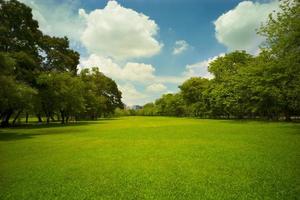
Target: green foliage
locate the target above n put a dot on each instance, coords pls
(149, 109)
(223, 68)
(18, 30)
(60, 92)
(14, 96)
(193, 93)
(282, 46)
(101, 95)
(121, 112)
(39, 73)
(246, 86)
(57, 56)
(170, 105)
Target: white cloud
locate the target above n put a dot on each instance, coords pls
(105, 65)
(131, 71)
(180, 46)
(200, 69)
(139, 72)
(120, 32)
(136, 72)
(156, 87)
(236, 29)
(170, 79)
(131, 96)
(57, 20)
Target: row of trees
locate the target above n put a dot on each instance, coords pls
(39, 74)
(246, 86)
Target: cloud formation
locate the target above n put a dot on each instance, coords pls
(62, 20)
(136, 72)
(130, 71)
(180, 46)
(156, 87)
(236, 29)
(200, 69)
(139, 72)
(120, 33)
(131, 96)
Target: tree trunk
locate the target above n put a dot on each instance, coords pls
(62, 117)
(288, 117)
(39, 118)
(16, 117)
(5, 118)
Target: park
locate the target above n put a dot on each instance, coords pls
(117, 100)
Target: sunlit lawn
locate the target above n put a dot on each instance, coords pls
(151, 158)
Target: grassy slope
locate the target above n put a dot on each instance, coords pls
(152, 158)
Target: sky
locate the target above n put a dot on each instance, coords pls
(150, 47)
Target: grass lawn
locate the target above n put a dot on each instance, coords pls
(151, 158)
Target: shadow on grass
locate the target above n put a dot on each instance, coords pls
(14, 133)
(58, 124)
(9, 136)
(262, 121)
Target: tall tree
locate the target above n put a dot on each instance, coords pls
(60, 92)
(282, 45)
(102, 95)
(223, 98)
(193, 93)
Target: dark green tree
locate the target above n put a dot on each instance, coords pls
(193, 94)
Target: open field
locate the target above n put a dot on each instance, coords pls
(151, 158)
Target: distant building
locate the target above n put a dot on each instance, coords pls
(136, 107)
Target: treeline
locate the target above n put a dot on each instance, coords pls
(39, 74)
(246, 86)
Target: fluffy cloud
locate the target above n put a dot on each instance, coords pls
(136, 72)
(200, 69)
(131, 71)
(105, 65)
(54, 20)
(139, 72)
(131, 96)
(180, 46)
(156, 87)
(120, 32)
(236, 29)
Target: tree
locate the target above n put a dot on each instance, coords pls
(282, 32)
(101, 95)
(18, 30)
(224, 67)
(57, 55)
(148, 109)
(192, 92)
(14, 97)
(60, 92)
(224, 99)
(170, 105)
(19, 57)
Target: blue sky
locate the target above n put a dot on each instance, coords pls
(149, 47)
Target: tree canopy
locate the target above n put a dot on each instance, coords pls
(39, 74)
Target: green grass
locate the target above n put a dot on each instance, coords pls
(151, 158)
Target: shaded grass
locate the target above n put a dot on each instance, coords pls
(152, 158)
